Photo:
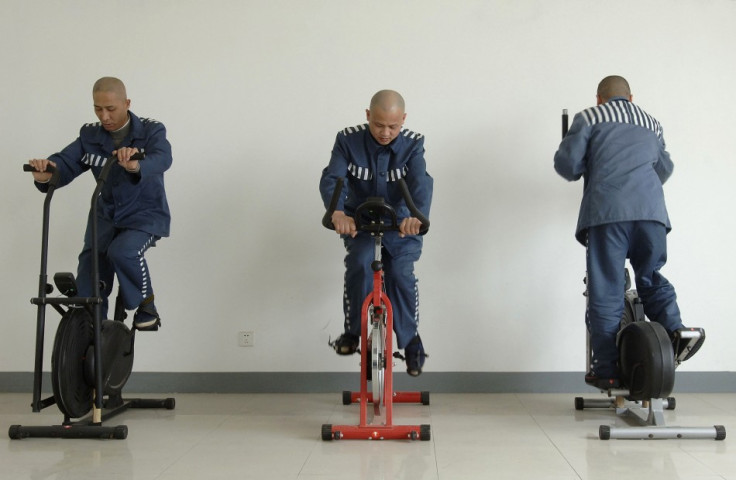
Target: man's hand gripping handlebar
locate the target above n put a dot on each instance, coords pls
(43, 169)
(374, 207)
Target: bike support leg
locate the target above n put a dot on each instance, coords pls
(649, 415)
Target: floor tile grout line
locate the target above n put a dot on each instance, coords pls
(194, 445)
(546, 434)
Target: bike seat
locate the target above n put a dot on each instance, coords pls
(66, 284)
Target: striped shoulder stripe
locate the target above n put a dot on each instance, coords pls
(355, 129)
(410, 134)
(146, 120)
(621, 112)
(93, 124)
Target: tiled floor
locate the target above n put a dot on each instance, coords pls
(473, 436)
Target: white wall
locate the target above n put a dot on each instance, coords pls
(253, 93)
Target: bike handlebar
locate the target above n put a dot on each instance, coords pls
(412, 207)
(327, 218)
(29, 168)
(51, 169)
(379, 207)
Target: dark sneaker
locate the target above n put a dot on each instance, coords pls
(686, 342)
(601, 383)
(346, 344)
(146, 317)
(414, 354)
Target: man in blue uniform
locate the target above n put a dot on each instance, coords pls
(620, 151)
(372, 157)
(132, 209)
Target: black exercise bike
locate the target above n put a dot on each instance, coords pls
(92, 357)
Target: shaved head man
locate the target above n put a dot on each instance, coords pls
(111, 103)
(110, 84)
(371, 158)
(386, 116)
(133, 200)
(619, 150)
(613, 86)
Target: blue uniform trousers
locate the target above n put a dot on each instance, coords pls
(399, 281)
(644, 243)
(120, 253)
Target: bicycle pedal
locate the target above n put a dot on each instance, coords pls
(687, 342)
(333, 345)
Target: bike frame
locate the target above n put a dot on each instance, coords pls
(377, 312)
(87, 427)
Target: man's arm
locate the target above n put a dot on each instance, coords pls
(66, 161)
(419, 182)
(157, 150)
(420, 185)
(570, 157)
(664, 165)
(337, 168)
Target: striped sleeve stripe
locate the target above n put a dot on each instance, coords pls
(94, 160)
(361, 173)
(394, 175)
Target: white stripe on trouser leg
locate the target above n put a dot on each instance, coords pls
(416, 301)
(145, 283)
(347, 307)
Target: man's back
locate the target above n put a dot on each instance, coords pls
(619, 150)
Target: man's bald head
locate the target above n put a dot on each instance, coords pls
(613, 86)
(110, 85)
(387, 100)
(385, 116)
(111, 103)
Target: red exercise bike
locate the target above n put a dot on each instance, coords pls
(376, 217)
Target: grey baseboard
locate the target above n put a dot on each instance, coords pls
(325, 382)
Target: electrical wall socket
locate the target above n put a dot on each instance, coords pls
(246, 339)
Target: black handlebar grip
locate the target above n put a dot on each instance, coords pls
(51, 169)
(327, 218)
(29, 168)
(564, 122)
(412, 207)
